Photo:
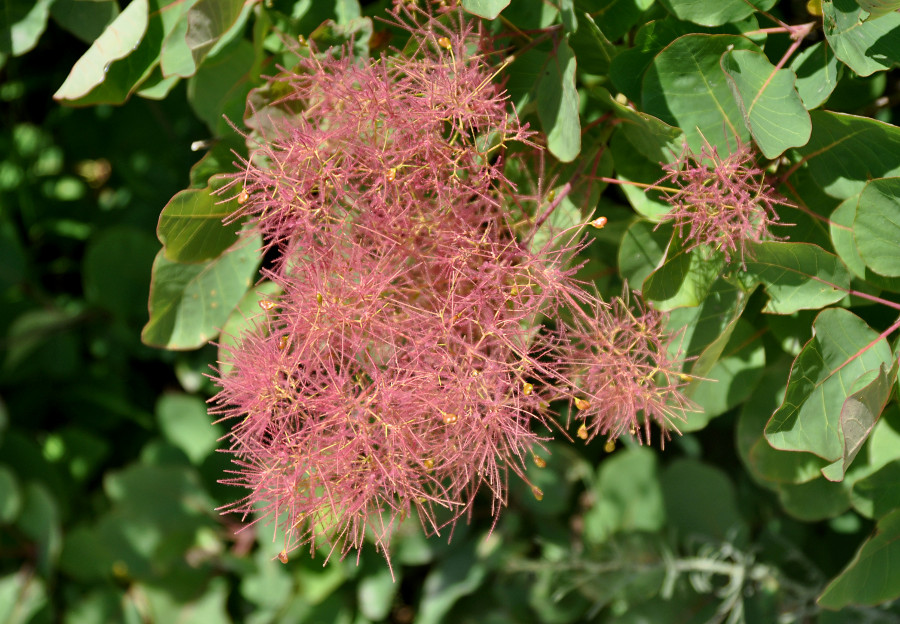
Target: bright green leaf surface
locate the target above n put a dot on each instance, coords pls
(119, 40)
(591, 47)
(190, 226)
(190, 302)
(878, 8)
(207, 22)
(876, 227)
(185, 423)
(797, 276)
(22, 24)
(817, 74)
(859, 414)
(627, 494)
(842, 349)
(771, 107)
(873, 576)
(557, 104)
(684, 279)
(865, 46)
(685, 86)
(845, 152)
(841, 227)
(730, 380)
(488, 9)
(714, 12)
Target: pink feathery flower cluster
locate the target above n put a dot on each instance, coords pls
(414, 354)
(720, 202)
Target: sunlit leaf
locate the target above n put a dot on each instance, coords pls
(191, 228)
(557, 104)
(865, 46)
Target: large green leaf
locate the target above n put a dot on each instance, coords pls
(191, 228)
(771, 107)
(185, 423)
(814, 500)
(118, 41)
(873, 576)
(730, 380)
(841, 226)
(643, 248)
(591, 47)
(878, 8)
(859, 414)
(190, 302)
(652, 138)
(878, 494)
(627, 494)
(715, 12)
(844, 152)
(557, 104)
(876, 227)
(842, 349)
(797, 276)
(211, 23)
(22, 24)
(701, 501)
(685, 86)
(488, 9)
(817, 74)
(85, 20)
(684, 279)
(865, 46)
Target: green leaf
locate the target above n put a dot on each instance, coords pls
(684, 279)
(844, 152)
(10, 496)
(488, 9)
(797, 276)
(627, 496)
(631, 166)
(700, 500)
(40, 521)
(376, 591)
(23, 23)
(873, 576)
(85, 20)
(715, 12)
(591, 47)
(842, 349)
(730, 381)
(815, 500)
(865, 46)
(458, 575)
(652, 138)
(876, 227)
(878, 8)
(116, 270)
(220, 87)
(878, 494)
(816, 68)
(767, 465)
(185, 423)
(859, 414)
(841, 227)
(557, 104)
(617, 16)
(209, 22)
(191, 228)
(641, 251)
(23, 599)
(119, 40)
(190, 302)
(685, 86)
(247, 316)
(771, 107)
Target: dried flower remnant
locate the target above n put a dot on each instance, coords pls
(720, 202)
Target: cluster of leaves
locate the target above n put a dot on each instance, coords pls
(786, 469)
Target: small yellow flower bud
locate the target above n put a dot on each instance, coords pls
(527, 388)
(599, 222)
(444, 42)
(538, 493)
(610, 446)
(582, 404)
(582, 432)
(539, 462)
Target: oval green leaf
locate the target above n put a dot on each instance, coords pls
(866, 46)
(191, 228)
(842, 349)
(877, 226)
(557, 104)
(771, 107)
(190, 302)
